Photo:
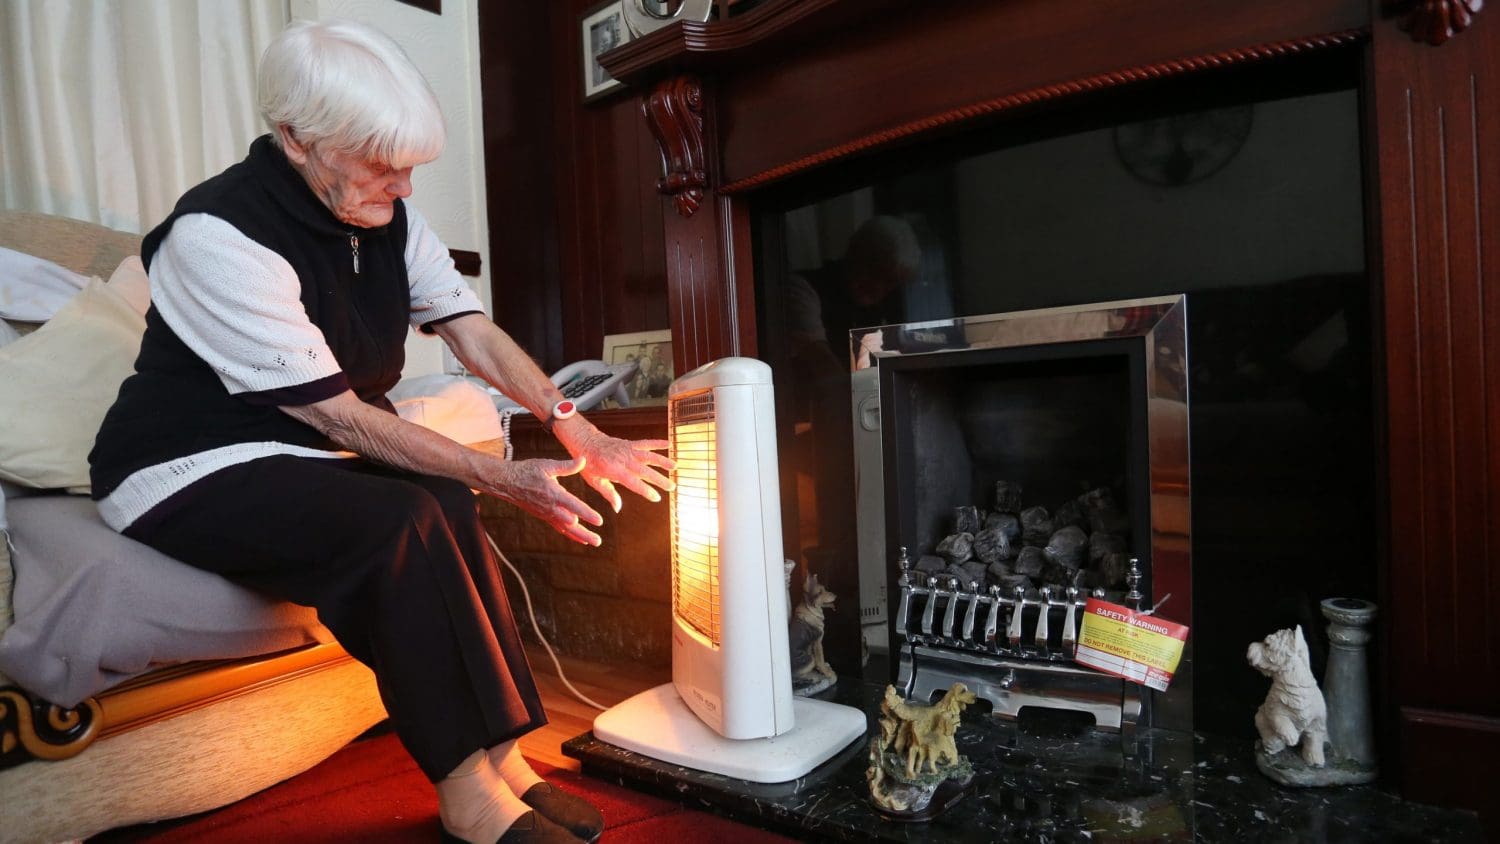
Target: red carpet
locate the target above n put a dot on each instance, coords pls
(372, 792)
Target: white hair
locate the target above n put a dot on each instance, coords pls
(348, 87)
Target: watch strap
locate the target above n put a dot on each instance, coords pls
(564, 409)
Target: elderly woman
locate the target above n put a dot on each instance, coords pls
(255, 439)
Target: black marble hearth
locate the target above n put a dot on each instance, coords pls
(1047, 781)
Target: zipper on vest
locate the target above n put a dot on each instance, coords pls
(354, 250)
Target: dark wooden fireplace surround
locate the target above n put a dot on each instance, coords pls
(794, 85)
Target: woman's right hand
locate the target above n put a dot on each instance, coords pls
(532, 485)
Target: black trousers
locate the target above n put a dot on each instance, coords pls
(397, 566)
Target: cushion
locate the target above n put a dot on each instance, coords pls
(452, 405)
(57, 383)
(34, 289)
(130, 281)
(93, 608)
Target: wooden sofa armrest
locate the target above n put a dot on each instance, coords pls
(83, 247)
(32, 728)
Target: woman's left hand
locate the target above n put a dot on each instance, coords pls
(610, 460)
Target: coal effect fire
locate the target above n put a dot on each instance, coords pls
(1083, 542)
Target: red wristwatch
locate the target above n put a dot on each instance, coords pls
(564, 409)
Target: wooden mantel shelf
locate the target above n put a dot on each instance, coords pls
(701, 47)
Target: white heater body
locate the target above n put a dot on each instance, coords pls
(730, 660)
(729, 708)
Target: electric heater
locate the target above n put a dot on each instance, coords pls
(729, 708)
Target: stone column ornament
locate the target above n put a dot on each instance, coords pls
(1346, 682)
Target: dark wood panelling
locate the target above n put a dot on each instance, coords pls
(520, 194)
(576, 244)
(1435, 22)
(1437, 146)
(433, 6)
(707, 318)
(739, 268)
(755, 39)
(935, 124)
(1440, 752)
(575, 224)
(674, 110)
(916, 63)
(634, 423)
(466, 262)
(610, 215)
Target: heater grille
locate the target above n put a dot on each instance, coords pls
(695, 515)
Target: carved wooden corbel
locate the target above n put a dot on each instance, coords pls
(1434, 21)
(32, 728)
(674, 111)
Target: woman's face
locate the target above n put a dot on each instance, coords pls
(358, 190)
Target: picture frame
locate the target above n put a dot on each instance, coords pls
(601, 29)
(654, 349)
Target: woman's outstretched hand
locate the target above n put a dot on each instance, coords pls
(608, 461)
(532, 485)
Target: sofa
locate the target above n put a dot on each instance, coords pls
(134, 688)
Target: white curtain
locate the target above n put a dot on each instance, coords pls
(110, 110)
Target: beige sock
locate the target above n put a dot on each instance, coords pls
(475, 804)
(512, 767)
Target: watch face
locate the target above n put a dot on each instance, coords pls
(1183, 148)
(564, 409)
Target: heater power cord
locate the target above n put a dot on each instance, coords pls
(531, 613)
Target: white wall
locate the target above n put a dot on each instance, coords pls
(450, 191)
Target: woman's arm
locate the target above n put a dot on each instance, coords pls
(386, 438)
(486, 350)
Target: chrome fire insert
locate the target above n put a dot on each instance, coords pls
(1012, 639)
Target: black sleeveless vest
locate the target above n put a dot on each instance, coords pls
(175, 405)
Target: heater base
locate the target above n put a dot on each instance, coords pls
(658, 724)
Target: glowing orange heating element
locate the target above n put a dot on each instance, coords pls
(695, 517)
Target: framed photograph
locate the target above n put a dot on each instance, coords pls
(654, 350)
(603, 29)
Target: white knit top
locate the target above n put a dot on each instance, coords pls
(238, 306)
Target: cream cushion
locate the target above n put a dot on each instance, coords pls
(131, 282)
(449, 404)
(93, 608)
(57, 383)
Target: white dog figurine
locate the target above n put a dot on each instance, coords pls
(1294, 709)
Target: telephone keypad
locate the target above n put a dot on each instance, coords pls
(578, 386)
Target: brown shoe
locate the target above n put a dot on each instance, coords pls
(574, 814)
(530, 828)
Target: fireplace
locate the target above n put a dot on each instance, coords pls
(1027, 461)
(1262, 238)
